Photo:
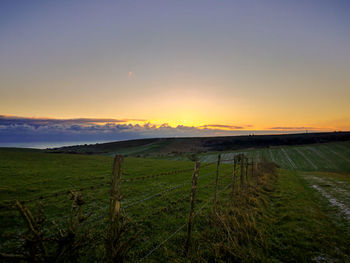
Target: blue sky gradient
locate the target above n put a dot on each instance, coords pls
(253, 64)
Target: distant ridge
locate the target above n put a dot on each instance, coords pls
(201, 144)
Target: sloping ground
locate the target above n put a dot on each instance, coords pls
(157, 204)
(160, 147)
(303, 217)
(314, 157)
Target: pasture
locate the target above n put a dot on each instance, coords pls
(301, 214)
(333, 157)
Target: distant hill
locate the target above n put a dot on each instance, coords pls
(172, 146)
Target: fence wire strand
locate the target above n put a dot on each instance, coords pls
(163, 192)
(181, 227)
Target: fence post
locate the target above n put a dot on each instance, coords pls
(246, 170)
(114, 211)
(242, 169)
(192, 201)
(216, 180)
(234, 176)
(252, 167)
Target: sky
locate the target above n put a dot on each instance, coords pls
(172, 68)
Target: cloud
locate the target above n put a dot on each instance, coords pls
(220, 126)
(15, 129)
(9, 120)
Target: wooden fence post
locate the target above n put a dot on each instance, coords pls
(246, 170)
(242, 169)
(233, 176)
(252, 167)
(114, 212)
(192, 202)
(217, 180)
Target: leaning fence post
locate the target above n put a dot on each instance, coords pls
(192, 201)
(216, 180)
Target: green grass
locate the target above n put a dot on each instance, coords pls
(333, 157)
(297, 223)
(140, 150)
(27, 175)
(302, 228)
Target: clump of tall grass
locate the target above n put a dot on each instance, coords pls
(233, 233)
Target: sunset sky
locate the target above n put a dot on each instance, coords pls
(213, 65)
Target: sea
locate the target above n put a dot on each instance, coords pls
(47, 145)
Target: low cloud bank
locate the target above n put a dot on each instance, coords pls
(20, 129)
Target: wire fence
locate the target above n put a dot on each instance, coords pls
(10, 204)
(102, 210)
(180, 228)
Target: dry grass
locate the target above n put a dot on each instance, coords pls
(234, 234)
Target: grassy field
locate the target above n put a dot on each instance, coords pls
(314, 157)
(304, 226)
(302, 216)
(28, 175)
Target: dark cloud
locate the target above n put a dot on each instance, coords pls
(19, 129)
(9, 120)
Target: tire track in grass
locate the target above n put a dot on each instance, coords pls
(292, 164)
(344, 148)
(280, 159)
(320, 155)
(306, 158)
(336, 153)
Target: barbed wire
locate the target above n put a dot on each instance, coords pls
(163, 192)
(163, 242)
(157, 175)
(157, 194)
(11, 203)
(181, 227)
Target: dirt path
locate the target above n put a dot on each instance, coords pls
(334, 202)
(336, 192)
